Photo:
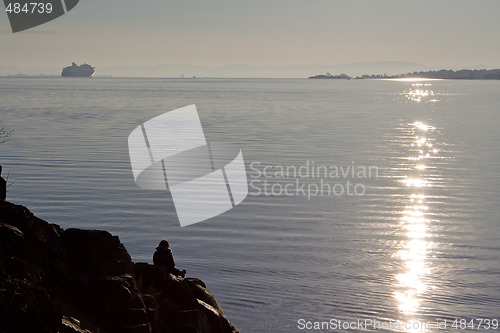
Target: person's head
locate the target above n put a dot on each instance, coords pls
(164, 243)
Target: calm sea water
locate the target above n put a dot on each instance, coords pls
(422, 242)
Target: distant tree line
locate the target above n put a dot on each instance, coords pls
(375, 76)
(330, 76)
(463, 74)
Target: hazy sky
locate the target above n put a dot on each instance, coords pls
(261, 32)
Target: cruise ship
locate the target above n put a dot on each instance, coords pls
(74, 70)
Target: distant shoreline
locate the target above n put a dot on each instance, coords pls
(444, 74)
(464, 74)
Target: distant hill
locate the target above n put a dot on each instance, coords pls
(227, 71)
(388, 69)
(258, 71)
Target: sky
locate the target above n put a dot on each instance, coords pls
(260, 32)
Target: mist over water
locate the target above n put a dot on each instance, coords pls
(421, 244)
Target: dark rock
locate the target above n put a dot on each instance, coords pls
(26, 308)
(193, 321)
(96, 252)
(200, 291)
(3, 186)
(83, 281)
(72, 325)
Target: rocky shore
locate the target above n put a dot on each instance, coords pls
(73, 280)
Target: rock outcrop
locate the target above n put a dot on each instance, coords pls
(69, 281)
(3, 186)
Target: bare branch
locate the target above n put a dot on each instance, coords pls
(4, 134)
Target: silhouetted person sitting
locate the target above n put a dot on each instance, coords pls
(163, 257)
(3, 186)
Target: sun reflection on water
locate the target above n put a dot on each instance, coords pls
(420, 92)
(412, 282)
